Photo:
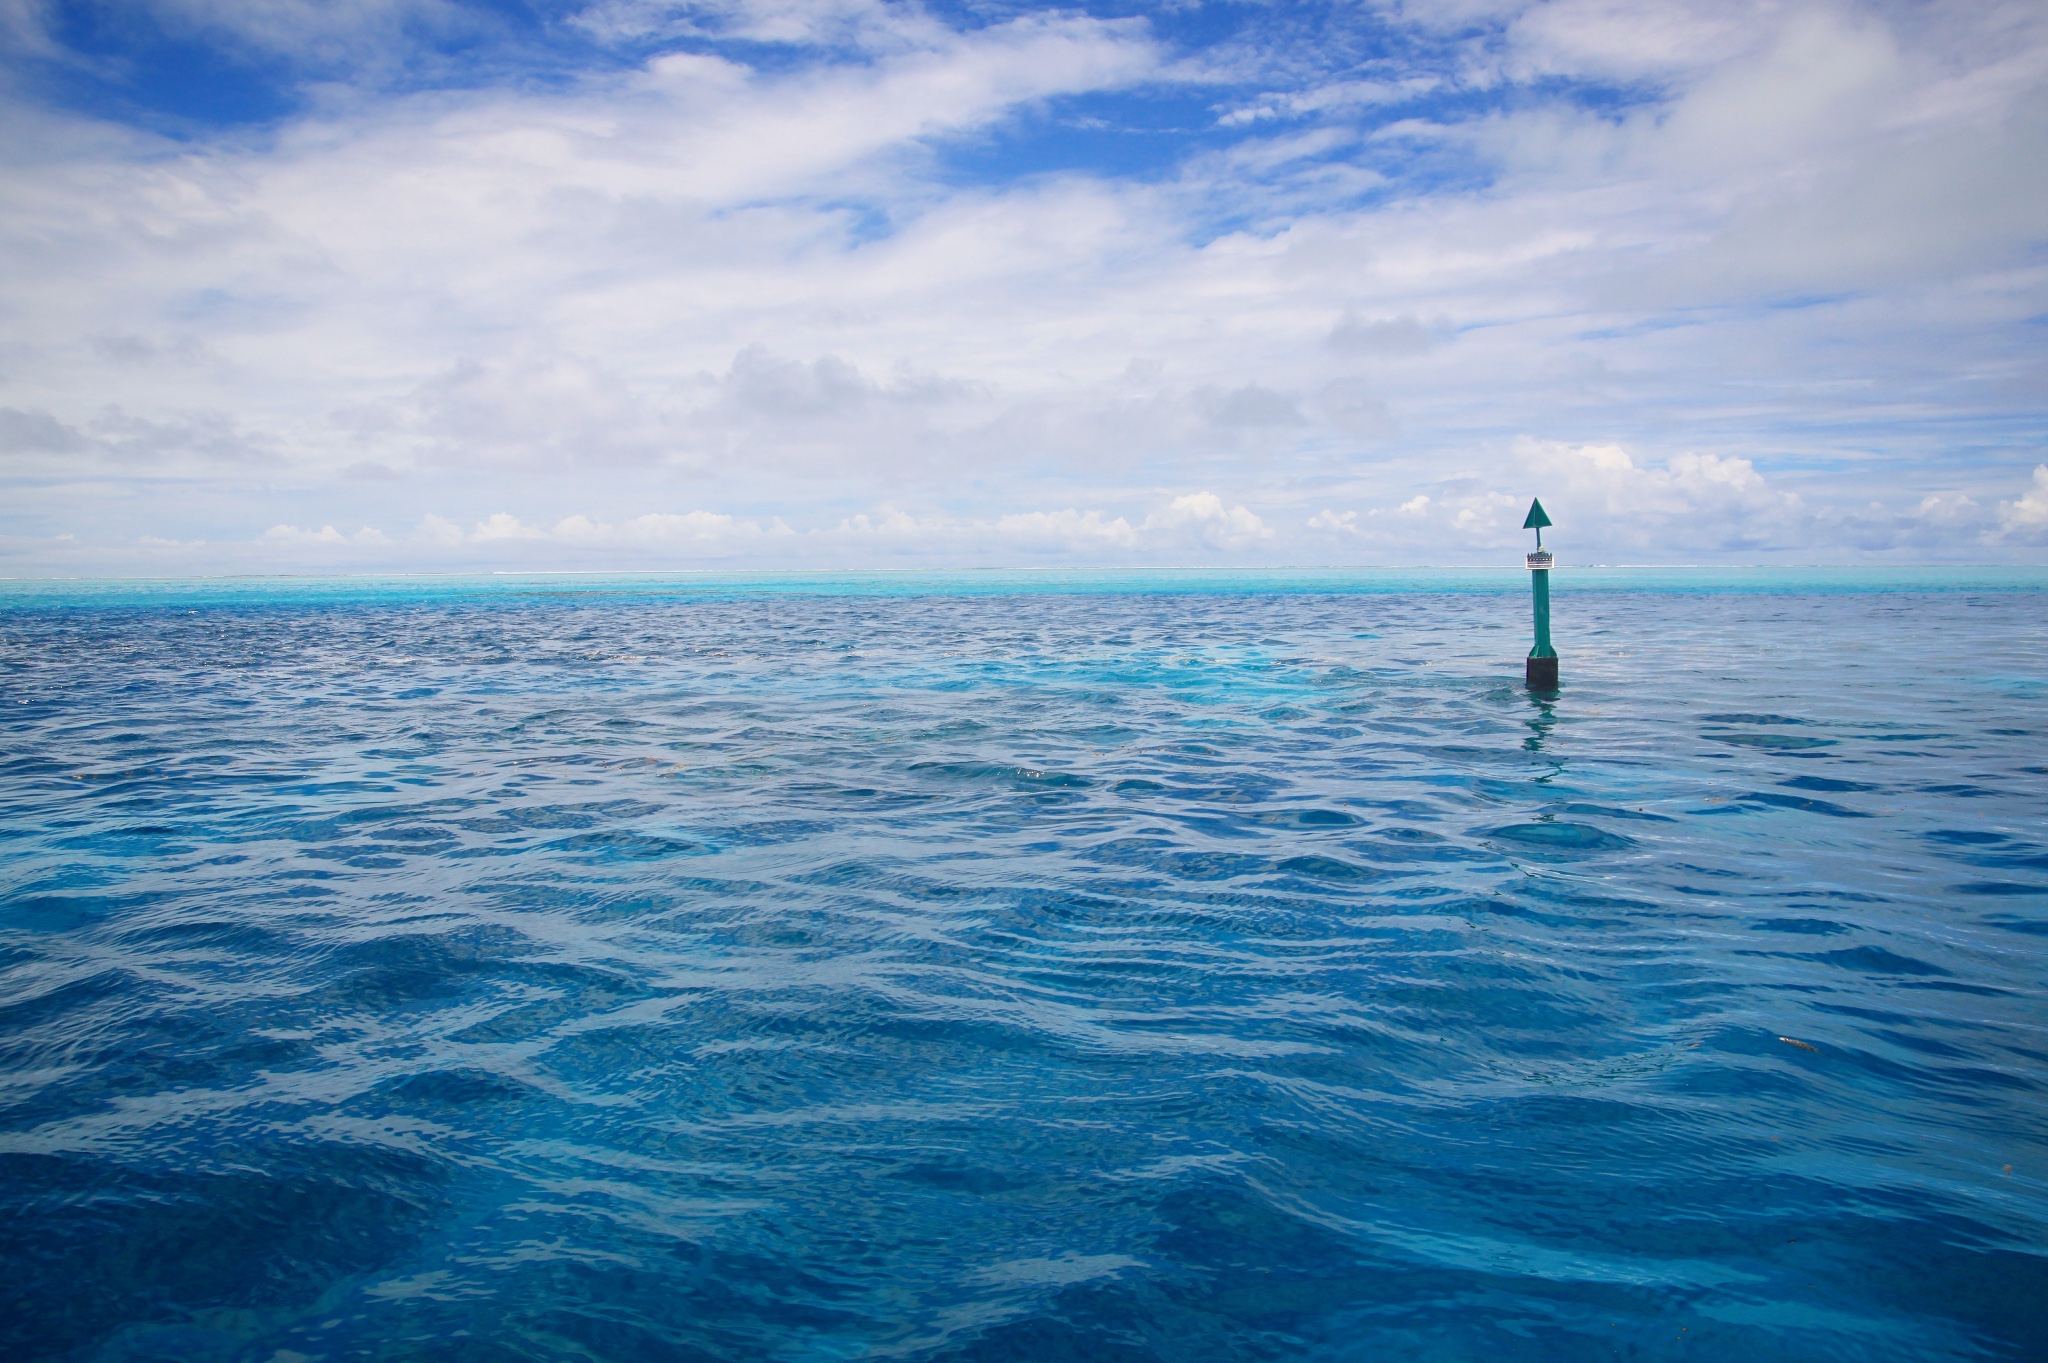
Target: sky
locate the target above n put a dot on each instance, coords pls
(295, 286)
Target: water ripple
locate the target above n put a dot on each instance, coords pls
(1208, 974)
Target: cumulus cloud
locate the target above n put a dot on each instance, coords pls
(690, 527)
(2028, 514)
(1198, 519)
(654, 529)
(1721, 259)
(719, 536)
(1694, 501)
(436, 530)
(503, 525)
(1069, 527)
(1204, 518)
(325, 536)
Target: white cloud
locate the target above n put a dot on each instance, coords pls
(1695, 501)
(2027, 514)
(655, 529)
(891, 521)
(322, 37)
(1382, 336)
(1335, 522)
(1069, 527)
(1630, 40)
(503, 525)
(1203, 518)
(369, 537)
(435, 530)
(865, 24)
(699, 528)
(1482, 515)
(291, 534)
(1339, 96)
(1800, 242)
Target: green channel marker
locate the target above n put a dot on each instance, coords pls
(1541, 672)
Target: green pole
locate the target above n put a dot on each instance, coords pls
(1540, 673)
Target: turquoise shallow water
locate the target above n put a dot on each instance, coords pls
(397, 590)
(1025, 967)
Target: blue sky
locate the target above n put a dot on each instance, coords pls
(435, 284)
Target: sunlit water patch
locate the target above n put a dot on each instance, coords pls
(1033, 970)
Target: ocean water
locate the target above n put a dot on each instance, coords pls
(1122, 967)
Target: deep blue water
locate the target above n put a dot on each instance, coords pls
(1128, 967)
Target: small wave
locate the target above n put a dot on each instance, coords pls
(733, 975)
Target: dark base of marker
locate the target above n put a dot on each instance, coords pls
(1542, 674)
